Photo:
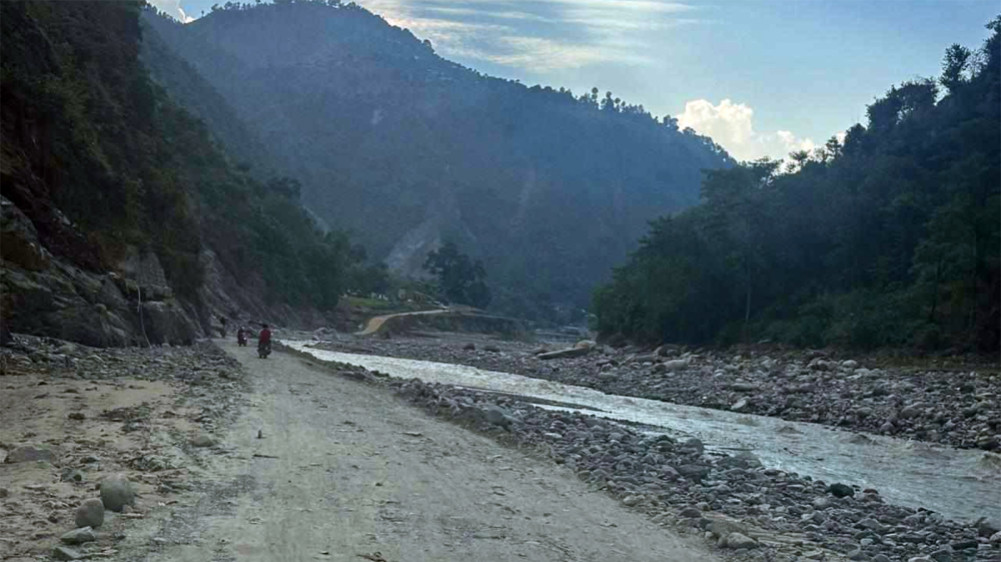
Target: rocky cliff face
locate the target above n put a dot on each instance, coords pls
(46, 295)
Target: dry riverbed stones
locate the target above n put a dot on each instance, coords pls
(736, 503)
(954, 402)
(52, 505)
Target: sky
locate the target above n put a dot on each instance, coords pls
(761, 77)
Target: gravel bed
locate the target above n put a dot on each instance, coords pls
(747, 511)
(943, 401)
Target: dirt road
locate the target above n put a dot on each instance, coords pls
(349, 472)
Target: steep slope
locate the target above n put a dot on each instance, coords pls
(123, 219)
(409, 149)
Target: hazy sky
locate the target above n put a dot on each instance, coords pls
(762, 77)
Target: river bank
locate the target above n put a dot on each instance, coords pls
(730, 500)
(75, 419)
(937, 401)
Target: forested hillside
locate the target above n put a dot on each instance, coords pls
(547, 188)
(105, 167)
(889, 239)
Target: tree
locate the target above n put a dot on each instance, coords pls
(460, 280)
(954, 66)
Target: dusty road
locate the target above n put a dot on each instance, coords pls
(352, 473)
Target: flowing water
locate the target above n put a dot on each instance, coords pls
(960, 484)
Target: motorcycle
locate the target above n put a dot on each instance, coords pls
(263, 350)
(241, 338)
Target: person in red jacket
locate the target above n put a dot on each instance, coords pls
(264, 342)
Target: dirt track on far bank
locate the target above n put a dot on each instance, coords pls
(346, 471)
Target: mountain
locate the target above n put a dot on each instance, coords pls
(124, 220)
(409, 150)
(890, 239)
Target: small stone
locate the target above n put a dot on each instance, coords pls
(72, 475)
(987, 527)
(871, 524)
(691, 512)
(840, 490)
(496, 415)
(90, 514)
(202, 440)
(631, 500)
(77, 416)
(740, 540)
(943, 554)
(79, 536)
(29, 454)
(116, 493)
(469, 347)
(63, 553)
(739, 405)
(821, 503)
(693, 471)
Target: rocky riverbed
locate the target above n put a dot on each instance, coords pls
(751, 512)
(92, 439)
(940, 401)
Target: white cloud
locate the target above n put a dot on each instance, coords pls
(537, 36)
(173, 7)
(731, 125)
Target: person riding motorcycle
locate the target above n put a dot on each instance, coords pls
(241, 337)
(264, 342)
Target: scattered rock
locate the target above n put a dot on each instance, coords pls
(116, 493)
(738, 541)
(79, 536)
(840, 490)
(64, 553)
(496, 415)
(31, 454)
(72, 475)
(987, 526)
(202, 440)
(90, 514)
(676, 364)
(564, 353)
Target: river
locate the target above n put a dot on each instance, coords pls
(961, 484)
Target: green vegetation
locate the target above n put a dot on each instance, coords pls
(460, 280)
(87, 132)
(548, 188)
(889, 239)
